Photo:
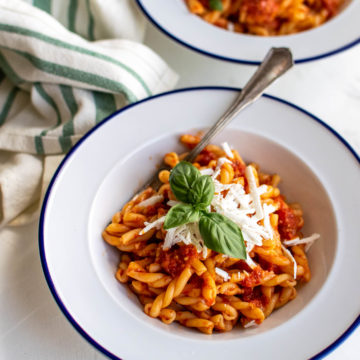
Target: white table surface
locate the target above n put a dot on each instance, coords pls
(31, 324)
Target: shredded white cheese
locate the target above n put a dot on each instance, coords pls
(148, 226)
(290, 257)
(151, 201)
(254, 192)
(250, 324)
(188, 234)
(231, 26)
(268, 209)
(207, 171)
(227, 150)
(307, 240)
(223, 274)
(250, 261)
(221, 161)
(241, 209)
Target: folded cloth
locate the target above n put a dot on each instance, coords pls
(55, 85)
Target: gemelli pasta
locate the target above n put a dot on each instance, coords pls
(265, 17)
(173, 270)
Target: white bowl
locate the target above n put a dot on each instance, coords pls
(174, 19)
(318, 170)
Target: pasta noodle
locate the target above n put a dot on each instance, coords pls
(266, 17)
(198, 287)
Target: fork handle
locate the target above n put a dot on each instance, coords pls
(275, 64)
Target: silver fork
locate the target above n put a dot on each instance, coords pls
(276, 63)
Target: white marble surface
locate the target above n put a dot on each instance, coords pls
(31, 324)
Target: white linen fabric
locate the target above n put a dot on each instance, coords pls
(64, 66)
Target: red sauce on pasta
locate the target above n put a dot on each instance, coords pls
(243, 265)
(254, 296)
(205, 157)
(152, 209)
(332, 6)
(239, 168)
(267, 17)
(269, 266)
(174, 260)
(260, 11)
(195, 282)
(289, 223)
(254, 278)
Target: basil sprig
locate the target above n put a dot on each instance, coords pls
(215, 5)
(181, 214)
(195, 191)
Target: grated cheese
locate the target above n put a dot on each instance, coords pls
(254, 192)
(223, 274)
(290, 257)
(227, 150)
(148, 226)
(268, 209)
(241, 209)
(188, 234)
(250, 261)
(250, 324)
(151, 201)
(220, 163)
(231, 26)
(207, 171)
(307, 240)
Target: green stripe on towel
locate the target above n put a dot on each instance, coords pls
(44, 5)
(65, 45)
(68, 127)
(72, 14)
(105, 105)
(39, 147)
(78, 75)
(38, 139)
(7, 105)
(91, 36)
(10, 73)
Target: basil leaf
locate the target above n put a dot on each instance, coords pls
(222, 235)
(202, 191)
(182, 178)
(181, 214)
(215, 5)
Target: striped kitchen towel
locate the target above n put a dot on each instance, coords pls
(64, 66)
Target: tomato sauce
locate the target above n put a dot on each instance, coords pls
(174, 260)
(152, 210)
(260, 12)
(332, 6)
(254, 296)
(254, 278)
(269, 266)
(289, 223)
(205, 157)
(239, 168)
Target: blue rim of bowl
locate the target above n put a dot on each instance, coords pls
(45, 268)
(240, 61)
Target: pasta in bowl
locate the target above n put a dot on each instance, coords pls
(113, 161)
(233, 262)
(266, 17)
(243, 31)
